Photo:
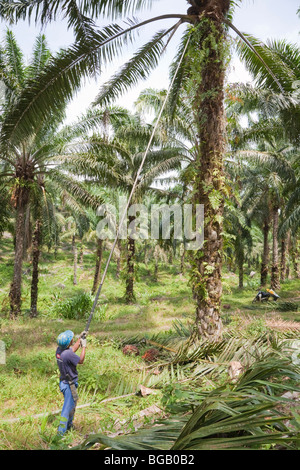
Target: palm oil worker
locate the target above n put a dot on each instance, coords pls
(67, 362)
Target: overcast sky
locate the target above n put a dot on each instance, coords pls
(265, 19)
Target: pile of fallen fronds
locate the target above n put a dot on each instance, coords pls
(210, 409)
(283, 325)
(244, 415)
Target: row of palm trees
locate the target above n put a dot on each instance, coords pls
(93, 48)
(41, 160)
(266, 161)
(104, 147)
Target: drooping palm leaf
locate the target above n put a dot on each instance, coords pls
(243, 416)
(58, 82)
(182, 74)
(281, 57)
(139, 67)
(44, 11)
(291, 222)
(75, 188)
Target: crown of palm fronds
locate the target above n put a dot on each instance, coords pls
(44, 11)
(55, 85)
(282, 57)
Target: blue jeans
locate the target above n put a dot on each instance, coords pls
(68, 408)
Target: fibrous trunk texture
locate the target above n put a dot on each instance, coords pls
(16, 285)
(129, 294)
(209, 179)
(265, 256)
(36, 242)
(20, 199)
(285, 245)
(241, 270)
(296, 258)
(275, 282)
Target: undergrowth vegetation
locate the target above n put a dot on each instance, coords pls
(197, 404)
(191, 394)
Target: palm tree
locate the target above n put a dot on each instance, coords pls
(111, 196)
(30, 162)
(202, 75)
(271, 171)
(118, 158)
(14, 74)
(275, 98)
(238, 226)
(277, 114)
(202, 178)
(39, 201)
(78, 224)
(257, 208)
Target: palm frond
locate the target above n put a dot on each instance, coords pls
(173, 163)
(14, 60)
(76, 189)
(244, 415)
(291, 222)
(58, 82)
(44, 11)
(246, 98)
(94, 120)
(139, 67)
(275, 163)
(83, 26)
(182, 74)
(275, 55)
(40, 57)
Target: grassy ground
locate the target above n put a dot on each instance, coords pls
(29, 379)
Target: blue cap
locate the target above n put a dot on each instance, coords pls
(65, 338)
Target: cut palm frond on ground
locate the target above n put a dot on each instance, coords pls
(244, 416)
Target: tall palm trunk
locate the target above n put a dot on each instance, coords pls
(285, 243)
(24, 176)
(36, 242)
(275, 282)
(265, 256)
(99, 255)
(295, 258)
(81, 256)
(241, 269)
(283, 260)
(27, 234)
(129, 294)
(16, 285)
(209, 181)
